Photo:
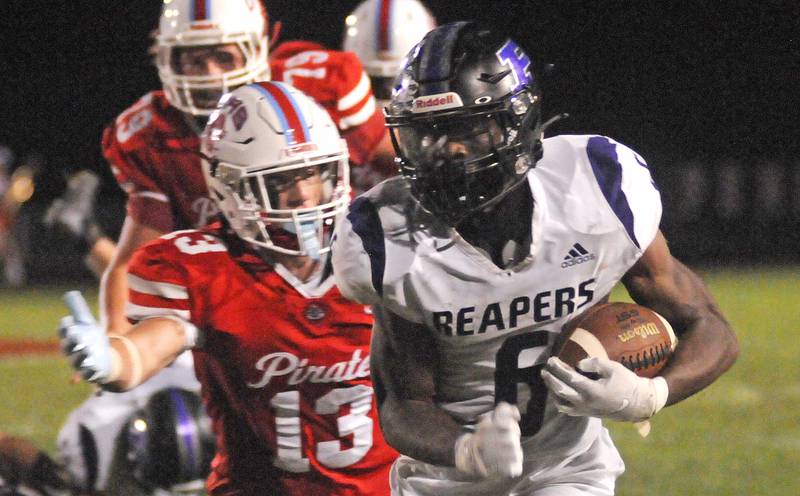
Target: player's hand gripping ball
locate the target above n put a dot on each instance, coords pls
(633, 335)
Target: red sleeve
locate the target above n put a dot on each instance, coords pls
(158, 282)
(124, 149)
(337, 81)
(290, 48)
(362, 140)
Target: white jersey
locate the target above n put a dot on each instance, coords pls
(596, 209)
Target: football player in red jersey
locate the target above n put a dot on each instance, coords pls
(283, 358)
(201, 49)
(381, 33)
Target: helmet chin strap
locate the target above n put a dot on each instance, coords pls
(308, 234)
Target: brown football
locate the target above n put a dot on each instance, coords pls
(631, 334)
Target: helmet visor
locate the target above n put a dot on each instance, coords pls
(456, 139)
(456, 164)
(290, 209)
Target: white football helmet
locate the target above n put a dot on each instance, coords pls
(196, 23)
(264, 143)
(381, 33)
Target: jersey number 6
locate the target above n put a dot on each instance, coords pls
(508, 375)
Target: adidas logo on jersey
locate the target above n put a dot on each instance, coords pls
(577, 255)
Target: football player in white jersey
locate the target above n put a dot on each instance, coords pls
(165, 449)
(475, 258)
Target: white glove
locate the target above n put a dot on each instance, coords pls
(618, 393)
(84, 341)
(494, 448)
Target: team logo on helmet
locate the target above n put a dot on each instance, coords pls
(511, 55)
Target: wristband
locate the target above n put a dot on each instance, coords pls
(662, 393)
(135, 357)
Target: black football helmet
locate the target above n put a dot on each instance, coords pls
(465, 119)
(170, 443)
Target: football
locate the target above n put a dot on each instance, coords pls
(631, 334)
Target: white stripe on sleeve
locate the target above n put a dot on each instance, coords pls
(356, 94)
(359, 117)
(162, 289)
(152, 195)
(139, 312)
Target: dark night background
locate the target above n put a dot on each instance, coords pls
(707, 92)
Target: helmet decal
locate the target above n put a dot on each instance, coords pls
(187, 430)
(439, 101)
(436, 63)
(294, 125)
(511, 55)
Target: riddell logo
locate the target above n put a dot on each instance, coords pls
(437, 102)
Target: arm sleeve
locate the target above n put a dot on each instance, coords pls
(147, 204)
(356, 114)
(629, 189)
(358, 256)
(158, 287)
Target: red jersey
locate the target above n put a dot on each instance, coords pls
(337, 81)
(284, 367)
(152, 148)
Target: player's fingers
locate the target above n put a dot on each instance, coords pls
(564, 372)
(76, 359)
(506, 411)
(602, 366)
(78, 307)
(76, 378)
(558, 387)
(64, 325)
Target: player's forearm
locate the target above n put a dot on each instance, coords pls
(705, 351)
(420, 430)
(147, 348)
(113, 296)
(707, 346)
(100, 255)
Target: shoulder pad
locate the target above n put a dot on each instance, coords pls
(592, 168)
(134, 127)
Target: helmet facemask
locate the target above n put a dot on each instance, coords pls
(464, 160)
(198, 94)
(289, 209)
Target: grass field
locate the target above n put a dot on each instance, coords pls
(739, 437)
